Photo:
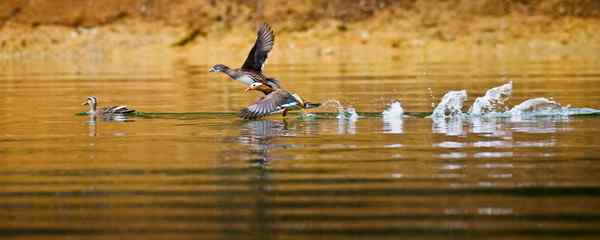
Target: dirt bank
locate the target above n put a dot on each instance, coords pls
(206, 31)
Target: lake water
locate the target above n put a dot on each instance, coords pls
(212, 175)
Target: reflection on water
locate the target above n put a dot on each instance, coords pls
(393, 125)
(93, 118)
(347, 126)
(489, 126)
(497, 127)
(452, 126)
(216, 176)
(259, 137)
(540, 125)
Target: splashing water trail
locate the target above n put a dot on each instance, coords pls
(395, 110)
(451, 104)
(348, 113)
(537, 106)
(393, 118)
(493, 100)
(335, 103)
(432, 97)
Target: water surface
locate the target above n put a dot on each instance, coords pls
(216, 176)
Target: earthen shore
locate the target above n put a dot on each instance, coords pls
(204, 31)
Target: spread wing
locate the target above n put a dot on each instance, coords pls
(258, 55)
(118, 110)
(274, 102)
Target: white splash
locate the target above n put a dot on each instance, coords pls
(395, 110)
(347, 120)
(451, 104)
(493, 100)
(348, 113)
(393, 118)
(536, 106)
(338, 106)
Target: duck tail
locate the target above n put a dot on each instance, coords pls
(309, 105)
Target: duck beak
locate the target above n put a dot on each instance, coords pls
(84, 103)
(247, 89)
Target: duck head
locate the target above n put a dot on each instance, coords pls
(92, 102)
(257, 86)
(218, 68)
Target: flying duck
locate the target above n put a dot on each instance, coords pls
(93, 103)
(274, 101)
(251, 70)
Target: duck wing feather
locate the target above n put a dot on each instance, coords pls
(258, 54)
(274, 102)
(117, 110)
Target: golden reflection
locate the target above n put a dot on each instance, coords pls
(216, 175)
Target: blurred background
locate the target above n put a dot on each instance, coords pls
(130, 32)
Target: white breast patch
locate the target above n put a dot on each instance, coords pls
(245, 80)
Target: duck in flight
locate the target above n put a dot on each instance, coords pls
(106, 111)
(274, 101)
(251, 70)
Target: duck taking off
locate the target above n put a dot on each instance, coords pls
(274, 101)
(93, 103)
(251, 70)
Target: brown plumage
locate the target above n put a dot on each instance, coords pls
(265, 39)
(275, 101)
(251, 70)
(93, 103)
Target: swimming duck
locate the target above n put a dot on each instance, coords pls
(93, 103)
(251, 70)
(274, 101)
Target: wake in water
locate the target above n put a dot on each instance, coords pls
(492, 104)
(493, 101)
(451, 104)
(448, 117)
(344, 113)
(395, 110)
(393, 118)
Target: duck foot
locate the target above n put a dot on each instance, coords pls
(284, 112)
